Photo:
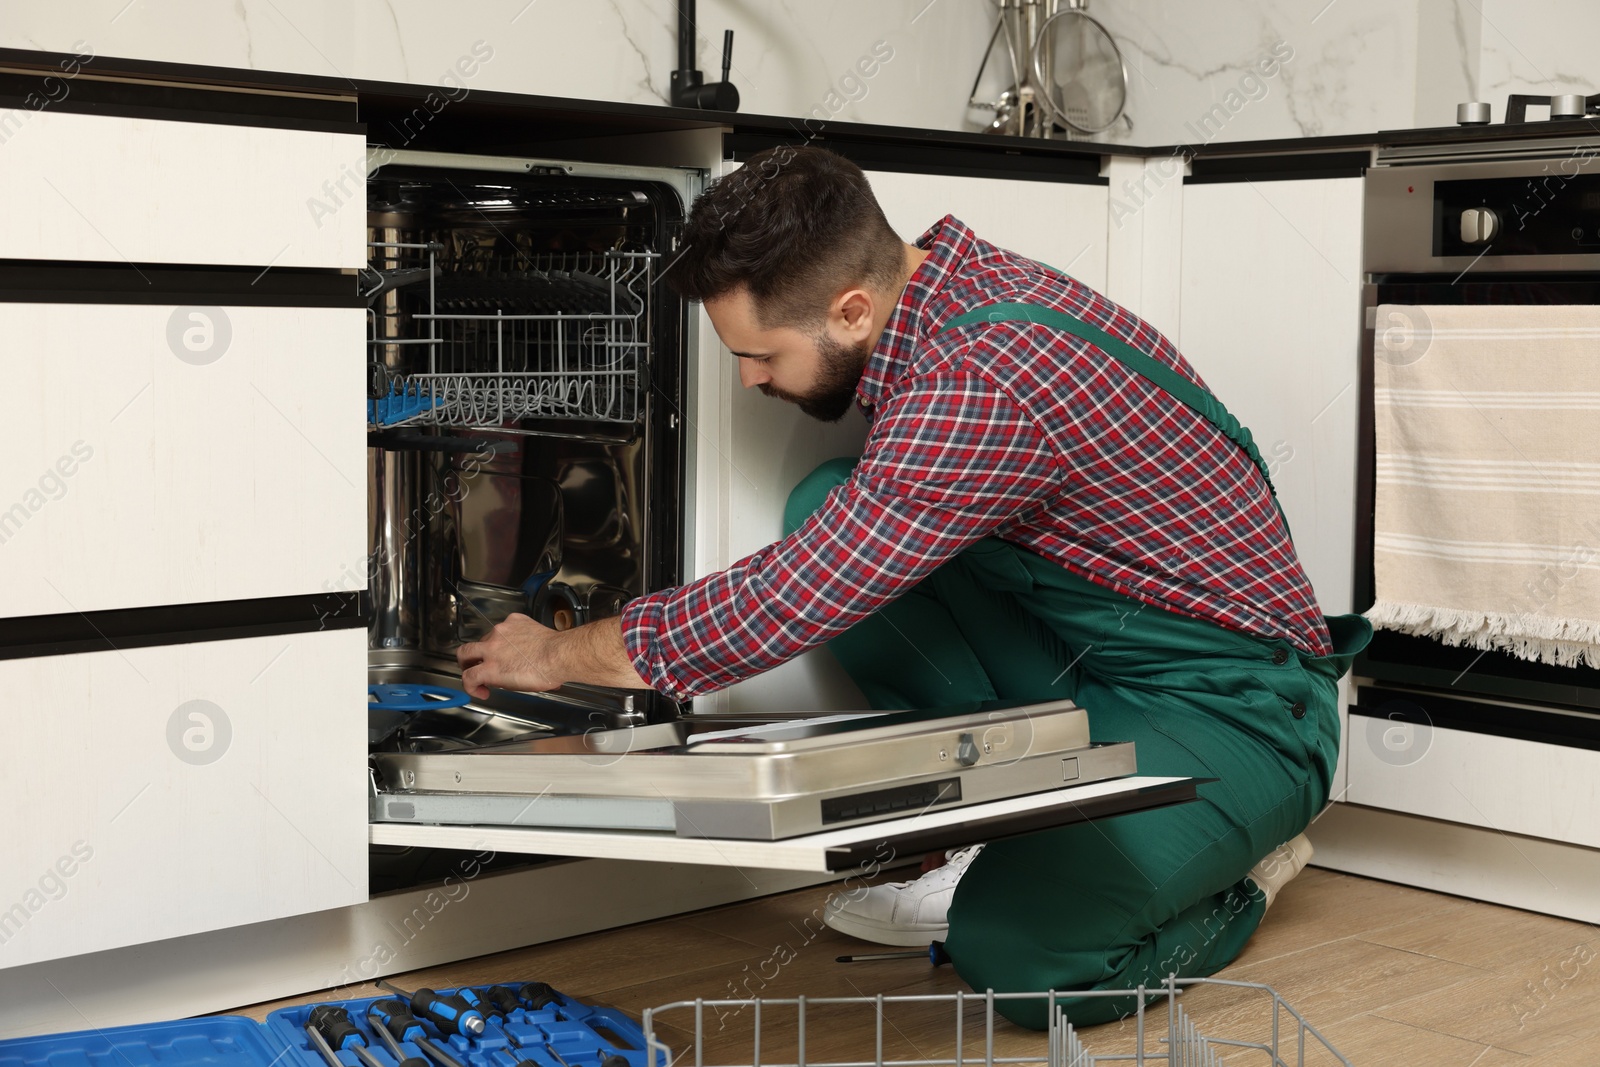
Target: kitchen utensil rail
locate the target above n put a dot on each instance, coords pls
(1184, 1045)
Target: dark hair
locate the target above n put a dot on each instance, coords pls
(796, 226)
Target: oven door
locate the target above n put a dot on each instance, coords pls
(1454, 733)
(1421, 662)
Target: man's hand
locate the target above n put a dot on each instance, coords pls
(529, 657)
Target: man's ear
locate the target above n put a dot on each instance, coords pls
(853, 313)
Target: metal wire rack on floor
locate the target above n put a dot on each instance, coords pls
(1179, 1042)
(557, 335)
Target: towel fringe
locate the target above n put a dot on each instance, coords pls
(1539, 638)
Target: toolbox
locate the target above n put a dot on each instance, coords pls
(562, 1033)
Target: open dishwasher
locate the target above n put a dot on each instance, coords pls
(526, 434)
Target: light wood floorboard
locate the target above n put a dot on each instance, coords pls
(1391, 975)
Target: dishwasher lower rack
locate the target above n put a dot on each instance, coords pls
(1284, 1039)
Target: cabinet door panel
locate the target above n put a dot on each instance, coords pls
(1271, 299)
(1271, 317)
(143, 469)
(99, 188)
(162, 791)
(1059, 223)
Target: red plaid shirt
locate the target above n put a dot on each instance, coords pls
(1008, 430)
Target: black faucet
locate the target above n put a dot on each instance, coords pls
(689, 89)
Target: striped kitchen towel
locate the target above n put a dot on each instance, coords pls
(1487, 502)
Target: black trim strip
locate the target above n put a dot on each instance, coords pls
(1208, 170)
(50, 282)
(964, 162)
(86, 92)
(997, 827)
(1475, 717)
(179, 624)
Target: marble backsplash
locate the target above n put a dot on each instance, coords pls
(1195, 70)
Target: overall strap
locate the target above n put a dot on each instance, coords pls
(1152, 370)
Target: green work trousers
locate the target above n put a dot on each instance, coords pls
(1125, 901)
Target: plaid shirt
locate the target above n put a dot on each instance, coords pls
(1008, 430)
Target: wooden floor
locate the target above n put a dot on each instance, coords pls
(1390, 975)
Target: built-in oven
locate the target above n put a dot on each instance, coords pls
(1440, 727)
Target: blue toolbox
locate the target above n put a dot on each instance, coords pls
(471, 1026)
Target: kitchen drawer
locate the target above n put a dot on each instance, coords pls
(163, 791)
(1510, 784)
(159, 454)
(98, 188)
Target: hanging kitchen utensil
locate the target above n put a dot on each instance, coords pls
(1079, 76)
(1066, 73)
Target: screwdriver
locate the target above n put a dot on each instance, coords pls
(389, 1017)
(329, 1027)
(536, 995)
(373, 1019)
(452, 1015)
(502, 1000)
(321, 1046)
(934, 954)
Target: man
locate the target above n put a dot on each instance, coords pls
(1049, 504)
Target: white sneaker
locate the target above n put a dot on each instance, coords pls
(908, 914)
(1280, 865)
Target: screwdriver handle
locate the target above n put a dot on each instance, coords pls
(334, 1024)
(375, 1021)
(452, 1014)
(320, 1043)
(535, 995)
(382, 1014)
(502, 1000)
(396, 1019)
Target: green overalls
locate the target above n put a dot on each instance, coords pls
(1129, 900)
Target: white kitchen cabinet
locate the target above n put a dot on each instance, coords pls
(1462, 777)
(770, 445)
(178, 455)
(108, 189)
(186, 441)
(1059, 223)
(161, 791)
(1270, 304)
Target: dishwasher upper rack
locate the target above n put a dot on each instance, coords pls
(549, 336)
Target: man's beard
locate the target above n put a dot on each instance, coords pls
(840, 374)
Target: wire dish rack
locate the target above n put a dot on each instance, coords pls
(1283, 1041)
(498, 340)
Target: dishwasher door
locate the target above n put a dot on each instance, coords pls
(808, 793)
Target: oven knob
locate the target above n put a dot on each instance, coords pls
(1479, 225)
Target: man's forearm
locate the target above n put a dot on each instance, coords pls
(595, 654)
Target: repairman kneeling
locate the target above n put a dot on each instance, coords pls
(1049, 504)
